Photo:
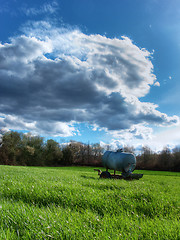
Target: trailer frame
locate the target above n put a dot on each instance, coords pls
(125, 176)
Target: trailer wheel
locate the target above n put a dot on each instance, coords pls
(105, 175)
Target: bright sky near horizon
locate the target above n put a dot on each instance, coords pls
(93, 71)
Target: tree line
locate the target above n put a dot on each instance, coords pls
(165, 160)
(28, 150)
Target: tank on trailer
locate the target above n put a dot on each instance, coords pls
(119, 161)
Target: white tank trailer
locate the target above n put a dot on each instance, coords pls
(119, 161)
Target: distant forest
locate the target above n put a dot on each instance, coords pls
(27, 150)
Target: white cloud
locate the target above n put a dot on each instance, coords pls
(44, 128)
(138, 131)
(167, 136)
(157, 84)
(113, 146)
(52, 77)
(46, 8)
(155, 140)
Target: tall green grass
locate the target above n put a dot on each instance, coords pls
(73, 203)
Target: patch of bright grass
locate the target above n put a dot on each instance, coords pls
(73, 203)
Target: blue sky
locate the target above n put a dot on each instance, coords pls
(92, 71)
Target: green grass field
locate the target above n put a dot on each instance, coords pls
(73, 203)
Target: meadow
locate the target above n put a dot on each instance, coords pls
(73, 203)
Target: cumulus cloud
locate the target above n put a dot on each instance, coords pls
(44, 128)
(114, 145)
(52, 77)
(138, 131)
